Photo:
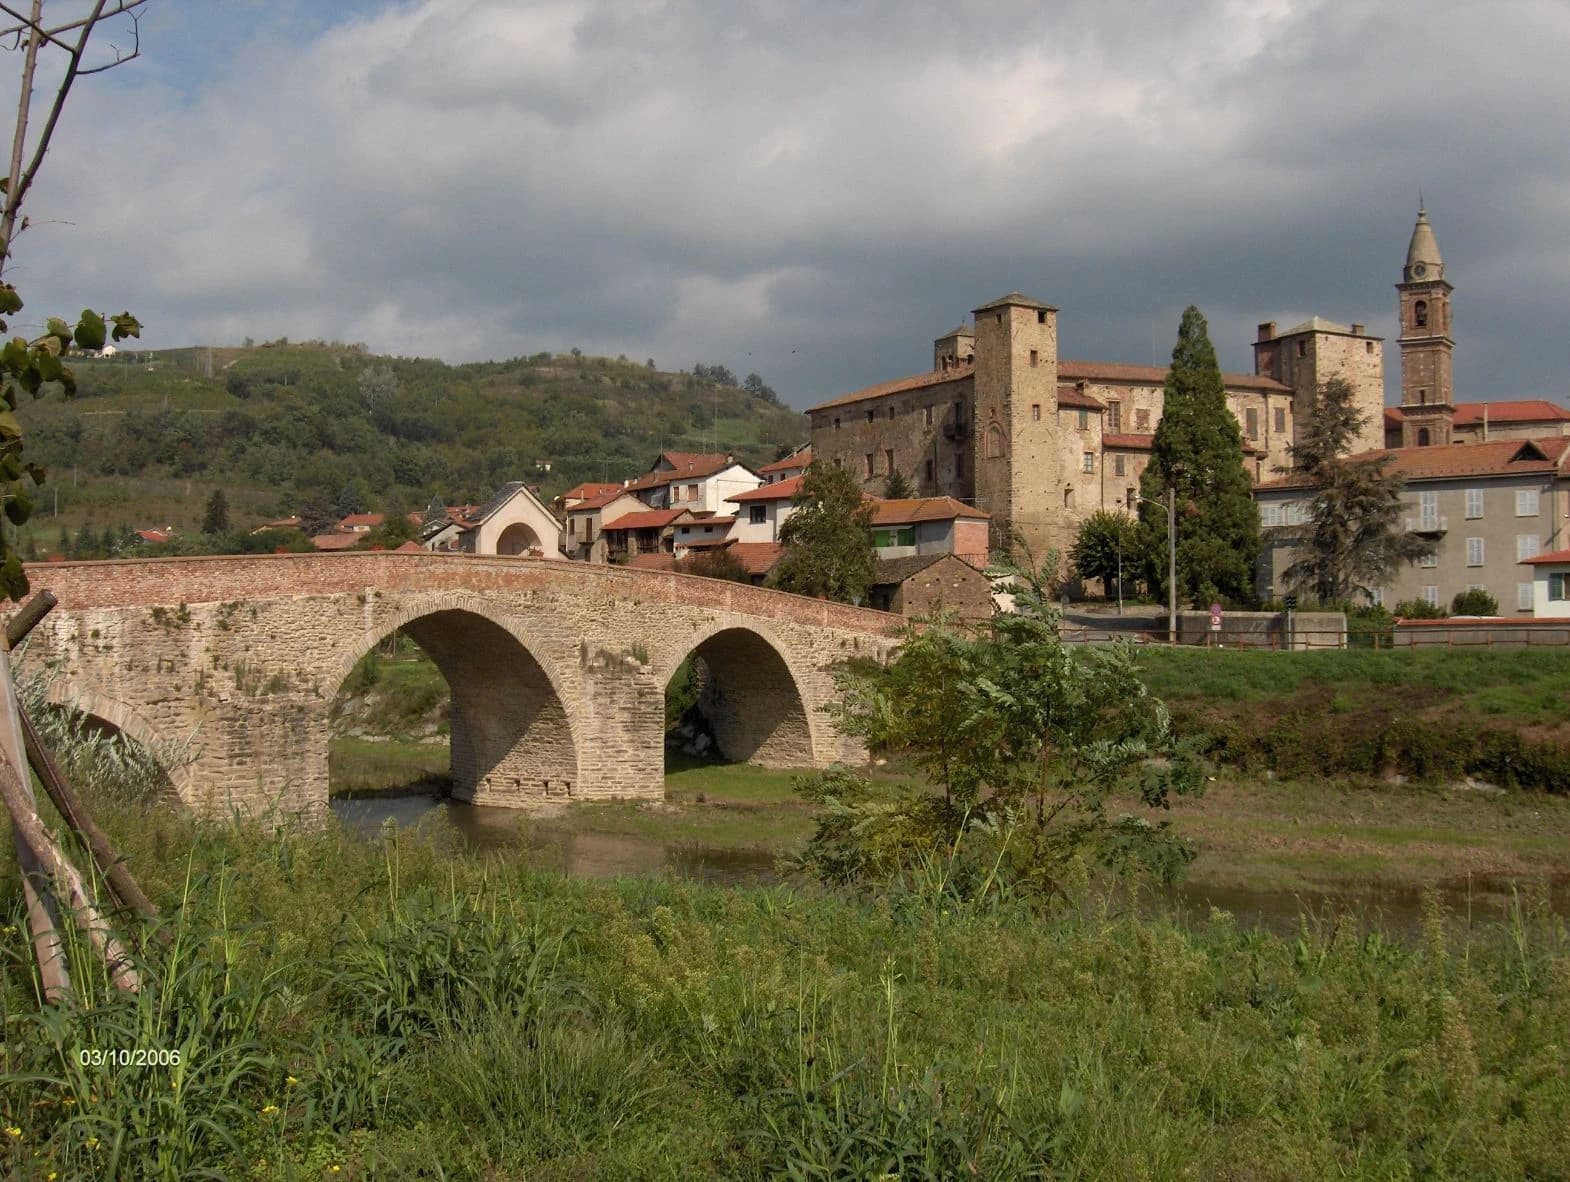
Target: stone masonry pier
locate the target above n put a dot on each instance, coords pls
(225, 668)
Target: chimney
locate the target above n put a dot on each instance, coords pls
(1357, 330)
(1267, 330)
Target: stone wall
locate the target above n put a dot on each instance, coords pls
(557, 670)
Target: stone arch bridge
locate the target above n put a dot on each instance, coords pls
(226, 667)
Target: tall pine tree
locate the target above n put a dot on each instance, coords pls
(1354, 539)
(1198, 451)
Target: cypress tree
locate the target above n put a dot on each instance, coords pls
(1198, 451)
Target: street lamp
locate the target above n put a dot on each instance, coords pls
(1172, 621)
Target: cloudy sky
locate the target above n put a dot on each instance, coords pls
(814, 189)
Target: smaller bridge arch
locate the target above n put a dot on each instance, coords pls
(512, 737)
(750, 694)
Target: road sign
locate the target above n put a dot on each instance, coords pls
(1215, 617)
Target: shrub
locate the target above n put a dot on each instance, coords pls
(1419, 609)
(1474, 602)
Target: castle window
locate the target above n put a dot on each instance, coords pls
(1251, 419)
(1035, 412)
(994, 442)
(1041, 317)
(926, 416)
(868, 464)
(836, 422)
(891, 410)
(1084, 420)
(888, 459)
(870, 414)
(1281, 419)
(928, 471)
(959, 463)
(1142, 420)
(1068, 497)
(1302, 348)
(1422, 397)
(1368, 346)
(1087, 461)
(1114, 417)
(1423, 438)
(1117, 465)
(1035, 358)
(1420, 314)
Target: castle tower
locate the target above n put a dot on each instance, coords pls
(1427, 389)
(1015, 422)
(1308, 356)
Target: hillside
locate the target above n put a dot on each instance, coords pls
(148, 438)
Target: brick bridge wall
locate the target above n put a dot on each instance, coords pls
(226, 667)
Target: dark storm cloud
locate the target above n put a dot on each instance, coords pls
(814, 191)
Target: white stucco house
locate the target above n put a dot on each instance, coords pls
(514, 522)
(1550, 584)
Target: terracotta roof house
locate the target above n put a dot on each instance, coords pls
(647, 532)
(586, 522)
(361, 523)
(923, 526)
(761, 511)
(792, 465)
(697, 481)
(513, 523)
(335, 541)
(917, 584)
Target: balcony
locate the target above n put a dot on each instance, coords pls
(1435, 523)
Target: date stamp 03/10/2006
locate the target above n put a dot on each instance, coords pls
(127, 1057)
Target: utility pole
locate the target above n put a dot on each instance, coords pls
(1172, 620)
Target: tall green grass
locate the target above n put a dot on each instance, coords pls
(391, 1011)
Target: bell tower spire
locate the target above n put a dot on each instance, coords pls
(1427, 389)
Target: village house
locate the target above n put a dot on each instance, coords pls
(584, 538)
(761, 511)
(1550, 584)
(795, 464)
(926, 526)
(705, 531)
(651, 531)
(917, 584)
(695, 481)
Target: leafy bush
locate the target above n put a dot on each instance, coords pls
(1474, 602)
(1419, 609)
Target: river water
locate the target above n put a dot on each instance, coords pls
(1397, 911)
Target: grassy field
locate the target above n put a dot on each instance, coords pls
(355, 1009)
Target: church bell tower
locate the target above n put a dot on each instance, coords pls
(1427, 389)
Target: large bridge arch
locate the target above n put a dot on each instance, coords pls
(513, 738)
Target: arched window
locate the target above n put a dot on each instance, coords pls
(1420, 313)
(994, 442)
(1423, 438)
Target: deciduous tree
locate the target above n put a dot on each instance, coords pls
(828, 543)
(1028, 742)
(1107, 543)
(1198, 451)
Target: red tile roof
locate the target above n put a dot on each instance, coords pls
(362, 521)
(1154, 375)
(910, 510)
(1468, 414)
(1497, 457)
(1069, 396)
(800, 460)
(1128, 442)
(579, 492)
(409, 548)
(918, 381)
(598, 501)
(156, 536)
(1552, 556)
(651, 562)
(684, 465)
(334, 541)
(648, 519)
(780, 490)
(756, 558)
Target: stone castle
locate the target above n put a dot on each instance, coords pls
(1002, 422)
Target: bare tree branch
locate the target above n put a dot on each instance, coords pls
(24, 24)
